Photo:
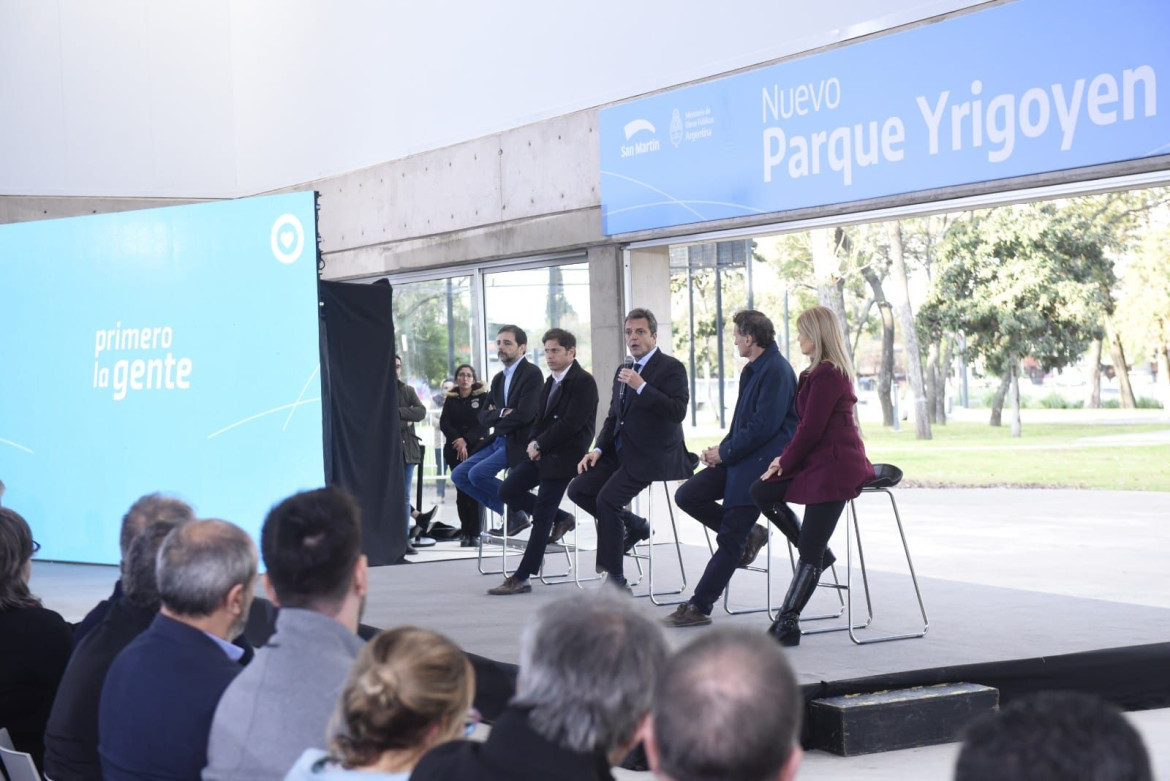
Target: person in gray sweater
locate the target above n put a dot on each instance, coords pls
(282, 702)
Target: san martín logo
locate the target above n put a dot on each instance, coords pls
(642, 144)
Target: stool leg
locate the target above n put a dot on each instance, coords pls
(913, 579)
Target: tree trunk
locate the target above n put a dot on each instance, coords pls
(940, 414)
(932, 387)
(1015, 375)
(830, 285)
(885, 373)
(1163, 374)
(1000, 395)
(1094, 399)
(1120, 367)
(900, 295)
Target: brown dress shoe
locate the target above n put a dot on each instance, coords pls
(687, 614)
(511, 585)
(564, 524)
(757, 538)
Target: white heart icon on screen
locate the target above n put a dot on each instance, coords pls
(288, 238)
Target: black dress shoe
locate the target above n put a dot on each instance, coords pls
(564, 524)
(518, 522)
(468, 541)
(636, 533)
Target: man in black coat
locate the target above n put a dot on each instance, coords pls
(641, 441)
(561, 435)
(512, 408)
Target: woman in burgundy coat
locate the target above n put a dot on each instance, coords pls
(822, 467)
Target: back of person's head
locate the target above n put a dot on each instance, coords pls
(311, 543)
(587, 670)
(139, 579)
(200, 562)
(150, 508)
(727, 706)
(16, 549)
(409, 690)
(1054, 736)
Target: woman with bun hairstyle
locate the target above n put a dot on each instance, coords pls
(824, 464)
(410, 689)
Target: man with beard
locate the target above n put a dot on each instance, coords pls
(161, 691)
(281, 704)
(513, 405)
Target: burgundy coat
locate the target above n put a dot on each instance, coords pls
(825, 457)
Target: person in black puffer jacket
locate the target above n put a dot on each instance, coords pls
(460, 425)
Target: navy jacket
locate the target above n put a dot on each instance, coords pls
(650, 422)
(564, 433)
(763, 423)
(523, 399)
(158, 701)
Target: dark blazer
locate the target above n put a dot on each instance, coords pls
(512, 752)
(34, 649)
(763, 422)
(460, 420)
(95, 616)
(652, 445)
(825, 459)
(158, 701)
(523, 399)
(71, 736)
(564, 433)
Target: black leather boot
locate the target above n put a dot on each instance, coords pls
(785, 520)
(786, 627)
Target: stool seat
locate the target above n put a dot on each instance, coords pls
(885, 476)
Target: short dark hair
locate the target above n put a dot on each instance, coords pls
(310, 543)
(561, 337)
(139, 578)
(150, 508)
(755, 324)
(16, 548)
(517, 333)
(1054, 736)
(644, 314)
(470, 368)
(727, 706)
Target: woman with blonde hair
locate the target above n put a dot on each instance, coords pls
(822, 467)
(409, 690)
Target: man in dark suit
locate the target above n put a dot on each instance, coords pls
(640, 441)
(561, 435)
(763, 422)
(71, 736)
(512, 408)
(161, 692)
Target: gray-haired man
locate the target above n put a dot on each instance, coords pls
(161, 691)
(587, 667)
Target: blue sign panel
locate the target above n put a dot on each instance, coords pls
(1023, 88)
(171, 350)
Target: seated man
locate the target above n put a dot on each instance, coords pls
(1054, 736)
(562, 723)
(726, 706)
(160, 693)
(281, 703)
(71, 737)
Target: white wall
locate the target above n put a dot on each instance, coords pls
(212, 97)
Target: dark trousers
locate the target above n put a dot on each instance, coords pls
(699, 498)
(470, 514)
(516, 493)
(820, 519)
(602, 492)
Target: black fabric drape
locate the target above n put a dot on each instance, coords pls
(363, 443)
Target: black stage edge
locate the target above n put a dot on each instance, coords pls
(1131, 677)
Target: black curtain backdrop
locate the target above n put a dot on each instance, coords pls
(363, 439)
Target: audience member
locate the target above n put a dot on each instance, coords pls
(34, 642)
(281, 703)
(587, 670)
(160, 693)
(409, 691)
(149, 508)
(1054, 736)
(71, 736)
(410, 411)
(465, 435)
(726, 706)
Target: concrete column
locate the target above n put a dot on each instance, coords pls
(606, 318)
(650, 289)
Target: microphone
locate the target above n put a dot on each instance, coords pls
(628, 363)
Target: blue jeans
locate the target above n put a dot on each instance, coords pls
(408, 480)
(476, 476)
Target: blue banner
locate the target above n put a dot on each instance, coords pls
(171, 350)
(1024, 88)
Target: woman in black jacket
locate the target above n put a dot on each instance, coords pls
(460, 424)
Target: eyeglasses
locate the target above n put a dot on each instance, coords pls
(36, 546)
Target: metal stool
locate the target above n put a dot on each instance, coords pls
(502, 541)
(574, 561)
(886, 477)
(648, 557)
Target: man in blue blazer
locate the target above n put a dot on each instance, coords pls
(763, 422)
(161, 692)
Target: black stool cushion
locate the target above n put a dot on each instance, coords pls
(886, 476)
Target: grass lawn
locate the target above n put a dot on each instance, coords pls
(1055, 455)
